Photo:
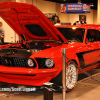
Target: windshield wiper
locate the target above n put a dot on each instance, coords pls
(74, 40)
(49, 41)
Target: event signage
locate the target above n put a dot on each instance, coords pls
(75, 8)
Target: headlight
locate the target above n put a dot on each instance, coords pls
(49, 63)
(30, 63)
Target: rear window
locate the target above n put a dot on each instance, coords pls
(36, 30)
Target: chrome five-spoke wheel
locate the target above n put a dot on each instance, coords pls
(71, 77)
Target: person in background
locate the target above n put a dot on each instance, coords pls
(1, 34)
(55, 18)
(76, 23)
(58, 22)
(85, 22)
(79, 22)
(82, 22)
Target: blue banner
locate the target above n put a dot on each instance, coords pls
(75, 8)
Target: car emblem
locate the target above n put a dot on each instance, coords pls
(6, 61)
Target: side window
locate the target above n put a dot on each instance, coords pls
(98, 35)
(91, 35)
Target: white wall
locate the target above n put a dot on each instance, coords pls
(44, 6)
(9, 33)
(98, 14)
(75, 17)
(95, 17)
(4, 0)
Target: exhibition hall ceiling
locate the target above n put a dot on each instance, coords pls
(76, 1)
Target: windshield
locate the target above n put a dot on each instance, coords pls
(72, 34)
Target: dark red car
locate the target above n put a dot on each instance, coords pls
(38, 59)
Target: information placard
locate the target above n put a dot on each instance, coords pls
(75, 8)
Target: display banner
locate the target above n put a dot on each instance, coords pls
(75, 8)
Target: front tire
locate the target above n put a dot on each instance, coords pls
(71, 77)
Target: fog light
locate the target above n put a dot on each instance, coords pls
(49, 63)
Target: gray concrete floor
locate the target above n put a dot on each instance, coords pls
(86, 89)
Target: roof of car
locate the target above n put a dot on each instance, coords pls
(89, 26)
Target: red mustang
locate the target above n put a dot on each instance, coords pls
(38, 59)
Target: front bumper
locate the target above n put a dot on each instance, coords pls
(26, 76)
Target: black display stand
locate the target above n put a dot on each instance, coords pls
(48, 91)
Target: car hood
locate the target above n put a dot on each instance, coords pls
(25, 18)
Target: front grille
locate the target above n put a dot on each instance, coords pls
(13, 61)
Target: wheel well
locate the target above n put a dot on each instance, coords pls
(74, 61)
(58, 78)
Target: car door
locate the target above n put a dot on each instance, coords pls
(92, 56)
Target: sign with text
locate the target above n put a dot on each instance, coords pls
(75, 8)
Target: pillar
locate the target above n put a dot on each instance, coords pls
(24, 1)
(98, 12)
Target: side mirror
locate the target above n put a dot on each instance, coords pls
(91, 40)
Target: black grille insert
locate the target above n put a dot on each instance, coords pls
(13, 61)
